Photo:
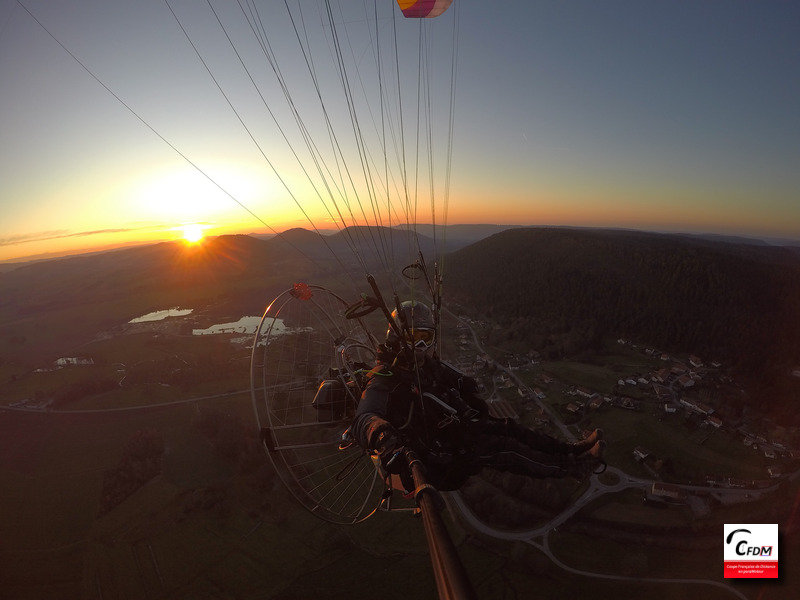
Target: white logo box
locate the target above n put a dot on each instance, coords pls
(751, 550)
(751, 542)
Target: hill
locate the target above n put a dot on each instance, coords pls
(157, 486)
(458, 236)
(556, 290)
(49, 307)
(562, 291)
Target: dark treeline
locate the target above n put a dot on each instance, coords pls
(140, 462)
(77, 391)
(564, 290)
(558, 291)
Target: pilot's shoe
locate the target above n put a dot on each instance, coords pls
(587, 443)
(590, 462)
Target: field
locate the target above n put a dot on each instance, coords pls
(198, 530)
(193, 529)
(692, 448)
(207, 526)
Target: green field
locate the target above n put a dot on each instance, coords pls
(207, 527)
(199, 530)
(194, 529)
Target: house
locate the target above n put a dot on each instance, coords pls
(667, 491)
(64, 362)
(663, 393)
(540, 416)
(501, 409)
(703, 409)
(669, 408)
(639, 453)
(661, 375)
(696, 361)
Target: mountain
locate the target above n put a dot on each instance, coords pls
(562, 290)
(176, 272)
(48, 307)
(455, 237)
(557, 290)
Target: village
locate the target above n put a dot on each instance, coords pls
(680, 392)
(675, 390)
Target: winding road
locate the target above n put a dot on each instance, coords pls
(538, 537)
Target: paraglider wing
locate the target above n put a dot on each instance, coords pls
(422, 9)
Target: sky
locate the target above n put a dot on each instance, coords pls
(677, 115)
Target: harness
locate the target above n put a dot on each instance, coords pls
(435, 407)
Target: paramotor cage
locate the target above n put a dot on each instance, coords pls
(306, 377)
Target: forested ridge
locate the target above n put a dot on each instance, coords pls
(561, 291)
(556, 290)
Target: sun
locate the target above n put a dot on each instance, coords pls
(193, 233)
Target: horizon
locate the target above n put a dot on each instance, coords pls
(99, 249)
(121, 130)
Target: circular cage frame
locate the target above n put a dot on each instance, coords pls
(306, 377)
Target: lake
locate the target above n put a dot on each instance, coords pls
(162, 314)
(243, 325)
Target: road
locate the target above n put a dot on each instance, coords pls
(538, 537)
(121, 408)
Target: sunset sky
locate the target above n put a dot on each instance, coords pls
(678, 115)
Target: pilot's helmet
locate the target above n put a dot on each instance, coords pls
(415, 320)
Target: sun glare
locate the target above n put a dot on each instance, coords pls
(193, 233)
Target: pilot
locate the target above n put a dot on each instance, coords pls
(414, 400)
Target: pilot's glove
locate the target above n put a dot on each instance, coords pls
(389, 445)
